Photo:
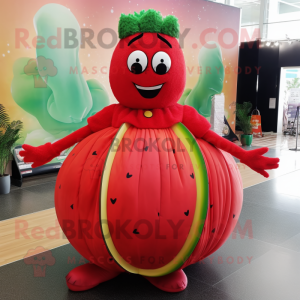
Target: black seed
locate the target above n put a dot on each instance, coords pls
(146, 148)
(73, 154)
(72, 206)
(233, 216)
(174, 151)
(192, 175)
(158, 214)
(113, 201)
(187, 212)
(60, 186)
(94, 153)
(211, 205)
(111, 259)
(135, 231)
(128, 175)
(213, 231)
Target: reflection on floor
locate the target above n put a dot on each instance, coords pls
(279, 146)
(275, 141)
(261, 261)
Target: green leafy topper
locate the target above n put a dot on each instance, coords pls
(148, 21)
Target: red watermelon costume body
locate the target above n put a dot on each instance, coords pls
(149, 188)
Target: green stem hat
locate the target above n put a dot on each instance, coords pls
(148, 21)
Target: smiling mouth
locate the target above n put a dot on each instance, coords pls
(149, 91)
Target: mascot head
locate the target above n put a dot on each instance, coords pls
(147, 69)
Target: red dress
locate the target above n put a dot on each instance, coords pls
(156, 186)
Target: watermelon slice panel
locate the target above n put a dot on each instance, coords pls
(154, 198)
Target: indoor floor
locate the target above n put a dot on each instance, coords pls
(260, 261)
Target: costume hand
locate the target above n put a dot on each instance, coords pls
(38, 155)
(259, 163)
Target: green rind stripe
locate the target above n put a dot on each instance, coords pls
(201, 177)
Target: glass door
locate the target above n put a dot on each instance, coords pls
(289, 99)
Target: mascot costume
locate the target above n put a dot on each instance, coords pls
(149, 188)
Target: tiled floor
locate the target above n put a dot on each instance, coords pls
(261, 261)
(36, 194)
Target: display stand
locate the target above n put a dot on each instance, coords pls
(231, 136)
(21, 169)
(297, 128)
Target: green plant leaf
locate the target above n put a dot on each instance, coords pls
(9, 135)
(243, 119)
(4, 118)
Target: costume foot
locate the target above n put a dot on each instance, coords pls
(87, 276)
(172, 283)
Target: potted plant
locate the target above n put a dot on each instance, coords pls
(9, 134)
(243, 121)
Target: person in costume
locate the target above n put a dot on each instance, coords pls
(147, 76)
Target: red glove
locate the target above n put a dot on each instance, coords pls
(38, 155)
(259, 163)
(45, 153)
(251, 158)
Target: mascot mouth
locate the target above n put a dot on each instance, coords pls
(149, 91)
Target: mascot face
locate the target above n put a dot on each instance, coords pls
(147, 71)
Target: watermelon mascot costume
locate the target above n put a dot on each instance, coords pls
(149, 188)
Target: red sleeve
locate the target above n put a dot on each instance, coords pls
(101, 119)
(195, 123)
(224, 144)
(71, 139)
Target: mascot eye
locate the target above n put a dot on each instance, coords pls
(161, 62)
(137, 62)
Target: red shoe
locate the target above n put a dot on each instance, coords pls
(87, 276)
(172, 283)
